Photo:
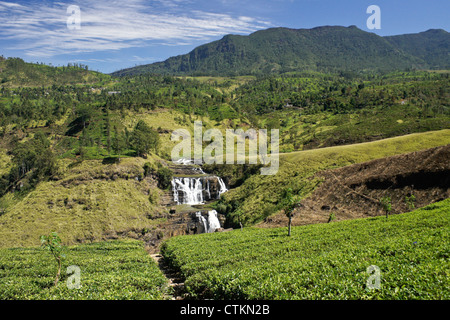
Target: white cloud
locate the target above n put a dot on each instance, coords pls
(41, 30)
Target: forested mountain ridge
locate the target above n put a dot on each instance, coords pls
(432, 46)
(326, 49)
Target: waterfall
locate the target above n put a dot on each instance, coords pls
(209, 224)
(213, 221)
(203, 221)
(223, 187)
(189, 190)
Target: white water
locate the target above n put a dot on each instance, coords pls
(190, 187)
(183, 161)
(223, 187)
(202, 221)
(211, 223)
(190, 190)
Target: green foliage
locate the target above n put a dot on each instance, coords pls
(149, 169)
(114, 270)
(33, 161)
(410, 201)
(16, 72)
(144, 139)
(321, 261)
(328, 48)
(153, 196)
(332, 217)
(288, 204)
(52, 243)
(387, 205)
(260, 196)
(164, 177)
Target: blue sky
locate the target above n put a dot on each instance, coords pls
(119, 34)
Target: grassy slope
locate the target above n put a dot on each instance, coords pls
(15, 73)
(323, 261)
(109, 270)
(263, 193)
(5, 161)
(84, 205)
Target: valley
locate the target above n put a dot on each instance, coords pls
(363, 176)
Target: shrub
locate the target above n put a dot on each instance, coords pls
(165, 176)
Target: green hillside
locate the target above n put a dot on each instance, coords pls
(322, 261)
(70, 154)
(327, 49)
(115, 270)
(260, 196)
(431, 46)
(16, 72)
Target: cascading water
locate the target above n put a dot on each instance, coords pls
(209, 224)
(203, 222)
(223, 187)
(190, 188)
(213, 221)
(187, 190)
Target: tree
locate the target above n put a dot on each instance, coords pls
(84, 113)
(52, 243)
(144, 139)
(34, 156)
(118, 143)
(289, 203)
(387, 205)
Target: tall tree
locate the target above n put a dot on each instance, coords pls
(144, 139)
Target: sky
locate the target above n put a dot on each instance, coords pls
(112, 35)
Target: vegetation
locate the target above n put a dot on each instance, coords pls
(261, 196)
(289, 202)
(387, 205)
(326, 49)
(33, 161)
(86, 156)
(16, 72)
(89, 202)
(410, 201)
(74, 147)
(322, 261)
(52, 243)
(113, 270)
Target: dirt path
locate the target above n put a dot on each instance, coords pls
(175, 281)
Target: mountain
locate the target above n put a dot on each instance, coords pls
(432, 46)
(327, 48)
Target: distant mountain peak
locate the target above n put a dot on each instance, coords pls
(323, 48)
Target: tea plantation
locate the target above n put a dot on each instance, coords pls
(324, 261)
(108, 270)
